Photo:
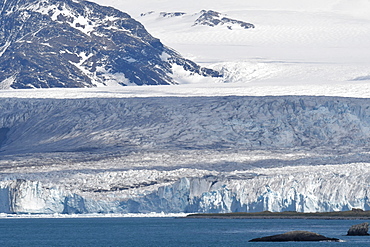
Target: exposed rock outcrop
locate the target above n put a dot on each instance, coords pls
(359, 230)
(294, 236)
(207, 18)
(212, 18)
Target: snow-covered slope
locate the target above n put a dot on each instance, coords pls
(358, 8)
(292, 42)
(283, 48)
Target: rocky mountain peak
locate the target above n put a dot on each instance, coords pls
(212, 18)
(70, 43)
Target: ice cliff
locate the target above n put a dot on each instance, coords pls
(192, 154)
(302, 189)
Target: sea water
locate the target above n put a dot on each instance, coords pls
(166, 231)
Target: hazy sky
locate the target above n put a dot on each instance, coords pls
(359, 8)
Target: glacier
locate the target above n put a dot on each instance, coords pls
(307, 189)
(171, 149)
(155, 123)
(183, 154)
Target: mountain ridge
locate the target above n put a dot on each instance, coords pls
(65, 43)
(208, 18)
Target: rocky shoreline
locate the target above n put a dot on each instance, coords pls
(279, 217)
(342, 215)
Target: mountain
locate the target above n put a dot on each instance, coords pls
(68, 43)
(355, 8)
(212, 18)
(205, 18)
(290, 44)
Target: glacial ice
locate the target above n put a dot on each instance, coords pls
(254, 123)
(183, 155)
(302, 189)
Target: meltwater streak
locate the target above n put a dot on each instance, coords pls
(166, 232)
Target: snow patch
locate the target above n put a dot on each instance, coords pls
(80, 65)
(4, 47)
(62, 13)
(181, 76)
(164, 56)
(7, 83)
(116, 79)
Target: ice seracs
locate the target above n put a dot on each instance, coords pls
(184, 154)
(188, 191)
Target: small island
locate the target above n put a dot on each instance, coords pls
(353, 214)
(359, 230)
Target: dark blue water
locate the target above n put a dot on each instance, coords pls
(165, 232)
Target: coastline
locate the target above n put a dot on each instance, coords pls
(278, 217)
(342, 215)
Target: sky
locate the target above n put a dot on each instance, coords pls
(357, 8)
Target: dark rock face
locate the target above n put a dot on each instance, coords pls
(295, 236)
(171, 14)
(206, 18)
(213, 18)
(69, 43)
(359, 230)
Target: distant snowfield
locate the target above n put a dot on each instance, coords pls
(294, 43)
(353, 89)
(358, 8)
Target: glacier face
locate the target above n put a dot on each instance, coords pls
(302, 189)
(191, 154)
